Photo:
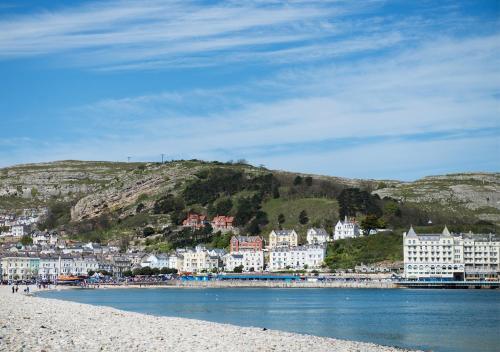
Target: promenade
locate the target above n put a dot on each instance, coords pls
(30, 323)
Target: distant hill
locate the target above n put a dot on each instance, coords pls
(119, 199)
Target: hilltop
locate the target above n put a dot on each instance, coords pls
(90, 196)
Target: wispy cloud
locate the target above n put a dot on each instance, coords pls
(438, 94)
(329, 85)
(134, 32)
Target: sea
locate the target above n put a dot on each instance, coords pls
(436, 320)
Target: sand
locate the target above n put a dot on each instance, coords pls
(30, 323)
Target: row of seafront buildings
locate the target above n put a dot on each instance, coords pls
(450, 256)
(249, 254)
(50, 256)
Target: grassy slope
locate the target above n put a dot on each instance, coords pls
(317, 210)
(371, 249)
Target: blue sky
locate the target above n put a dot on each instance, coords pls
(368, 89)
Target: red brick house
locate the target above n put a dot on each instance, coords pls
(221, 223)
(239, 243)
(195, 221)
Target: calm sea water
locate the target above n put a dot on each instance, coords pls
(437, 320)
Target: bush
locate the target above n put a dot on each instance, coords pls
(347, 253)
(148, 231)
(168, 203)
(303, 219)
(26, 240)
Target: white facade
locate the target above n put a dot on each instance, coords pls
(296, 258)
(17, 230)
(232, 260)
(44, 238)
(49, 268)
(346, 229)
(447, 256)
(317, 236)
(200, 259)
(279, 238)
(248, 258)
(156, 261)
(45, 267)
(82, 265)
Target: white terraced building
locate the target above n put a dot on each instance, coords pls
(451, 256)
(296, 258)
(248, 258)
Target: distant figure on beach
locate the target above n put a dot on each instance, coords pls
(13, 288)
(27, 289)
(17, 288)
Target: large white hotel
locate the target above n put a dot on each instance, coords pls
(451, 256)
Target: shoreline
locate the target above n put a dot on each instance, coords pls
(30, 322)
(256, 284)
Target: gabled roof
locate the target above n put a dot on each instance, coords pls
(411, 232)
(283, 232)
(319, 231)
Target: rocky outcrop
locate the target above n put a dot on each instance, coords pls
(477, 192)
(126, 191)
(99, 187)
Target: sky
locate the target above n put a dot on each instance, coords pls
(363, 89)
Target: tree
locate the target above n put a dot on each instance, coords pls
(168, 203)
(370, 222)
(238, 269)
(297, 181)
(303, 219)
(140, 207)
(276, 191)
(281, 219)
(224, 206)
(166, 270)
(309, 181)
(257, 222)
(148, 231)
(392, 209)
(353, 201)
(26, 240)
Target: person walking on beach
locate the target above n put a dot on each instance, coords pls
(13, 288)
(17, 288)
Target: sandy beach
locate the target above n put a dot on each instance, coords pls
(30, 323)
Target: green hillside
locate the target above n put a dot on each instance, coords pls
(133, 203)
(322, 212)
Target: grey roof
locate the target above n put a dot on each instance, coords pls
(247, 238)
(411, 232)
(320, 231)
(283, 232)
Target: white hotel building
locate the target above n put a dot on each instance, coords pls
(296, 258)
(450, 256)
